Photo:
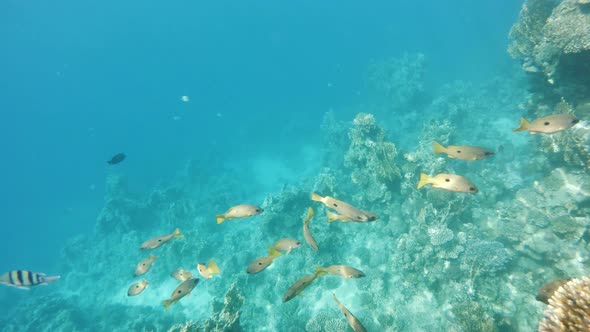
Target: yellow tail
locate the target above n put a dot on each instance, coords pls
(316, 197)
(424, 180)
(524, 125)
(309, 215)
(166, 304)
(213, 268)
(273, 253)
(153, 258)
(332, 216)
(177, 233)
(320, 271)
(438, 148)
(220, 218)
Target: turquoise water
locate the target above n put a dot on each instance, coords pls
(284, 99)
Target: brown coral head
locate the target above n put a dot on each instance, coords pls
(569, 308)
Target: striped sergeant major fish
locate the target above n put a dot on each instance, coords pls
(23, 279)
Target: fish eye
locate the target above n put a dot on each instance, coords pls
(574, 121)
(179, 291)
(259, 263)
(143, 264)
(487, 153)
(546, 123)
(160, 240)
(458, 151)
(136, 286)
(447, 180)
(471, 188)
(335, 205)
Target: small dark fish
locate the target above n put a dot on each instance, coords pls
(547, 291)
(119, 157)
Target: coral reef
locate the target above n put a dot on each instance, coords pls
(547, 31)
(372, 159)
(326, 321)
(470, 315)
(569, 308)
(225, 316)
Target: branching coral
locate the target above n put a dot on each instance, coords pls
(371, 158)
(470, 315)
(569, 308)
(484, 257)
(527, 32)
(547, 30)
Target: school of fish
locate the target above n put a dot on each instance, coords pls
(335, 210)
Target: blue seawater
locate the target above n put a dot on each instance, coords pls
(221, 103)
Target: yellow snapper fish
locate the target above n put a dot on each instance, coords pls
(239, 211)
(263, 262)
(181, 275)
(463, 152)
(449, 182)
(548, 124)
(334, 216)
(160, 240)
(287, 245)
(356, 325)
(144, 266)
(181, 291)
(307, 233)
(23, 279)
(345, 209)
(299, 286)
(207, 271)
(341, 270)
(137, 288)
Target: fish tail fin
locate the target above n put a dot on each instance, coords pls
(177, 233)
(166, 304)
(319, 272)
(316, 197)
(424, 180)
(332, 216)
(524, 125)
(213, 268)
(438, 148)
(48, 280)
(153, 257)
(273, 252)
(220, 218)
(309, 215)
